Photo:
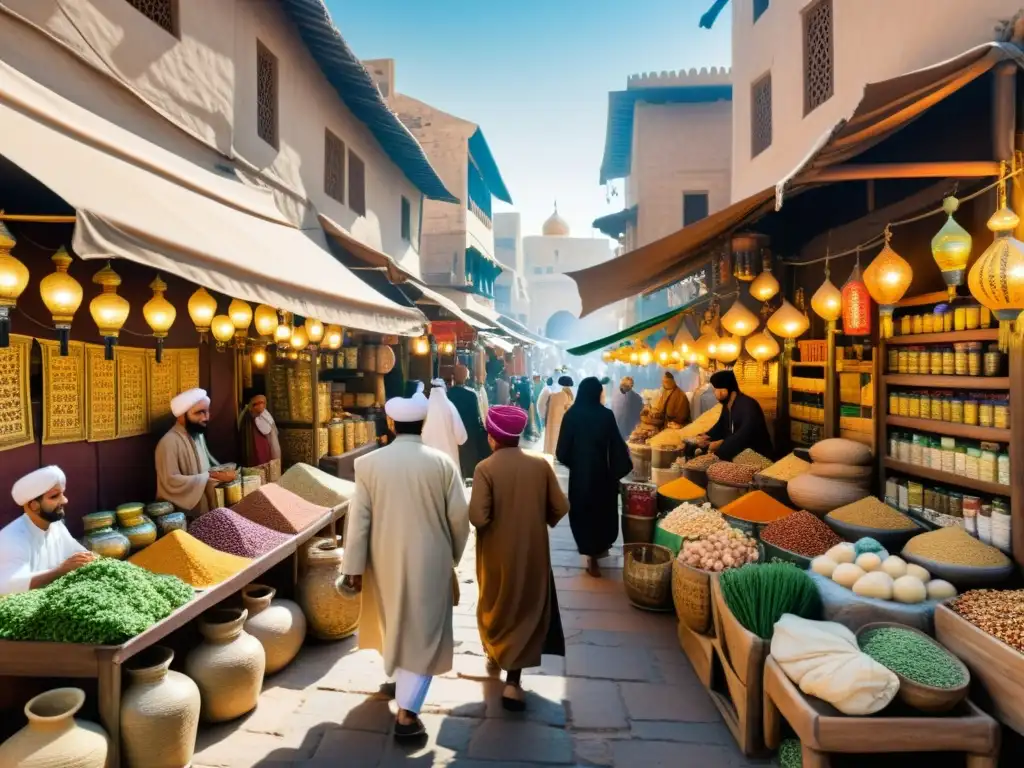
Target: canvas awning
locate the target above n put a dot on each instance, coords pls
(365, 253)
(137, 201)
(884, 109)
(496, 341)
(423, 294)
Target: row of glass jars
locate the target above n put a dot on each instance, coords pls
(976, 409)
(968, 358)
(965, 317)
(973, 460)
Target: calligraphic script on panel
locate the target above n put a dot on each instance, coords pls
(63, 392)
(101, 394)
(188, 369)
(132, 392)
(15, 402)
(163, 383)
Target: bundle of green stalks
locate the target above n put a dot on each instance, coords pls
(758, 595)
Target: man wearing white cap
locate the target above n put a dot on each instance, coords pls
(183, 461)
(37, 549)
(406, 531)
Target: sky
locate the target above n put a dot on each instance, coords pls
(535, 76)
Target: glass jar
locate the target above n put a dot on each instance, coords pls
(936, 406)
(903, 448)
(974, 358)
(948, 454)
(903, 360)
(993, 360)
(986, 317)
(987, 470)
(947, 321)
(914, 406)
(915, 496)
(902, 404)
(972, 316)
(960, 359)
(947, 408)
(894, 403)
(918, 322)
(948, 362)
(971, 411)
(956, 409)
(972, 463)
(913, 361)
(935, 361)
(894, 360)
(928, 323)
(1001, 414)
(917, 450)
(959, 319)
(906, 326)
(956, 504)
(894, 443)
(961, 460)
(935, 453)
(926, 405)
(1003, 469)
(985, 413)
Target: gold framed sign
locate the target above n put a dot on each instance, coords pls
(101, 395)
(188, 369)
(63, 392)
(15, 401)
(132, 392)
(163, 383)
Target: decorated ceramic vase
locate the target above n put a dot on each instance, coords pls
(330, 613)
(279, 625)
(166, 517)
(159, 712)
(228, 666)
(53, 737)
(102, 538)
(140, 530)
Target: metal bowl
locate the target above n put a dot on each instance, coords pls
(963, 576)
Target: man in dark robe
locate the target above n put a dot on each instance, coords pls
(590, 445)
(742, 424)
(525, 401)
(467, 403)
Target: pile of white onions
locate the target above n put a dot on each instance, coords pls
(720, 551)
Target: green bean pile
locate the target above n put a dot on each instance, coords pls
(790, 754)
(914, 657)
(758, 595)
(106, 602)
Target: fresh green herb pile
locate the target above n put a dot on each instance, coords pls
(758, 595)
(103, 603)
(912, 656)
(790, 754)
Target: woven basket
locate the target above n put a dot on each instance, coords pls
(691, 593)
(647, 575)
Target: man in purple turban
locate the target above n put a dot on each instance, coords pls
(516, 497)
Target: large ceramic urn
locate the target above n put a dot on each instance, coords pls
(228, 666)
(331, 613)
(53, 737)
(159, 712)
(279, 625)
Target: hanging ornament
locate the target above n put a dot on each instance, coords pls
(762, 346)
(739, 320)
(266, 320)
(683, 341)
(108, 310)
(223, 330)
(788, 321)
(887, 278)
(765, 287)
(856, 304)
(241, 317)
(159, 314)
(299, 340)
(13, 282)
(663, 351)
(333, 337)
(283, 333)
(201, 308)
(62, 295)
(951, 248)
(827, 301)
(314, 330)
(259, 354)
(728, 349)
(997, 278)
(646, 357)
(421, 346)
(746, 255)
(707, 345)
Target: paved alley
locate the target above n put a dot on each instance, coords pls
(624, 696)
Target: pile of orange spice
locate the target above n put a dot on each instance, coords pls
(192, 561)
(756, 507)
(681, 489)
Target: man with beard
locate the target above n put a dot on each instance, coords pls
(742, 424)
(36, 549)
(261, 442)
(183, 461)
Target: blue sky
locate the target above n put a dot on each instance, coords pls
(535, 75)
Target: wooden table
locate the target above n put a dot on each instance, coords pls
(822, 729)
(103, 662)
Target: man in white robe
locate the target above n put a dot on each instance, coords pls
(406, 531)
(183, 461)
(443, 429)
(36, 548)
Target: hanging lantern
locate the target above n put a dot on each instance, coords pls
(887, 278)
(762, 346)
(299, 340)
(223, 330)
(421, 346)
(283, 333)
(62, 295)
(108, 310)
(683, 341)
(788, 321)
(159, 314)
(13, 282)
(827, 301)
(241, 317)
(201, 308)
(644, 355)
(765, 287)
(746, 255)
(728, 349)
(259, 355)
(333, 337)
(951, 248)
(607, 356)
(446, 348)
(663, 351)
(293, 355)
(997, 278)
(266, 320)
(739, 320)
(314, 330)
(856, 305)
(707, 345)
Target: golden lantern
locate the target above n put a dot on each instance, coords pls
(446, 348)
(788, 321)
(707, 345)
(644, 354)
(109, 311)
(266, 320)
(159, 314)
(887, 278)
(283, 332)
(314, 330)
(259, 355)
(223, 330)
(293, 355)
(765, 287)
(728, 349)
(300, 339)
(241, 317)
(827, 301)
(856, 304)
(739, 320)
(683, 341)
(634, 356)
(13, 282)
(762, 346)
(62, 295)
(201, 308)
(663, 351)
(333, 337)
(421, 346)
(997, 278)
(951, 248)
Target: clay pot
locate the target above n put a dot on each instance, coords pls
(159, 712)
(53, 737)
(102, 538)
(279, 625)
(166, 518)
(140, 530)
(331, 614)
(227, 666)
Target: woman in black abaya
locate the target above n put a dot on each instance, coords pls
(590, 445)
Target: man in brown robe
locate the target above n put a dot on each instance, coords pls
(515, 499)
(183, 461)
(260, 440)
(673, 402)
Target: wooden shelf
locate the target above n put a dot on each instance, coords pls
(340, 374)
(947, 478)
(855, 366)
(946, 337)
(803, 391)
(990, 434)
(795, 363)
(937, 297)
(947, 382)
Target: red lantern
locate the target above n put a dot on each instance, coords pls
(856, 305)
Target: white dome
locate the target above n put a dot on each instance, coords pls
(555, 226)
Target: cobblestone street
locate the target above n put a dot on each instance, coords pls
(624, 696)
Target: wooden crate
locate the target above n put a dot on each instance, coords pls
(744, 650)
(699, 650)
(997, 678)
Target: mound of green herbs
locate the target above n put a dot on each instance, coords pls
(758, 595)
(916, 658)
(106, 602)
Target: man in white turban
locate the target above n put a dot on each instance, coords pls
(444, 429)
(37, 549)
(406, 531)
(183, 461)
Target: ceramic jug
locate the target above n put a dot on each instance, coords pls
(331, 614)
(279, 625)
(228, 666)
(53, 737)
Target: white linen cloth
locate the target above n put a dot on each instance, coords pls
(411, 690)
(26, 549)
(444, 429)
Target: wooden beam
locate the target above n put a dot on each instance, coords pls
(37, 219)
(1004, 109)
(960, 169)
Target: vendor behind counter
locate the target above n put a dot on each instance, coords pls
(740, 426)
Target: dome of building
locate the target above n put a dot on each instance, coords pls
(555, 226)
